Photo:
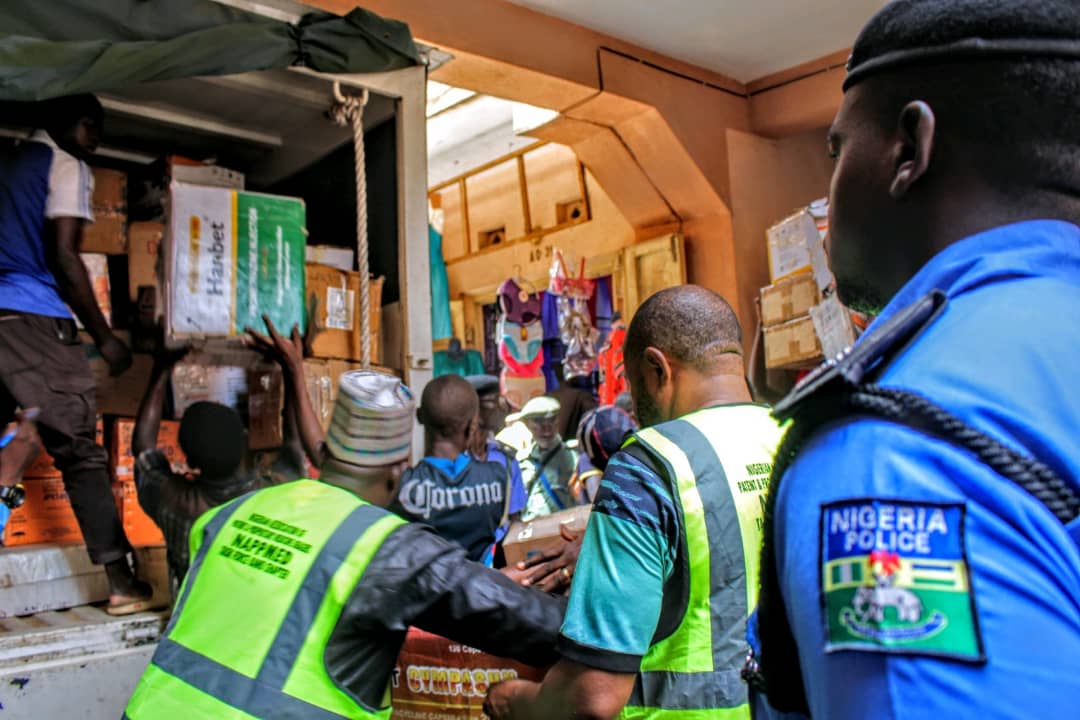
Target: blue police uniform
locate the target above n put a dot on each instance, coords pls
(919, 582)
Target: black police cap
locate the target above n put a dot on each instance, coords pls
(913, 32)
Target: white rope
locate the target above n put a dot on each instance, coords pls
(349, 110)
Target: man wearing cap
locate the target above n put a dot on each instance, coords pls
(922, 558)
(299, 595)
(547, 465)
(668, 568)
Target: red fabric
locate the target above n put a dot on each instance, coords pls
(612, 376)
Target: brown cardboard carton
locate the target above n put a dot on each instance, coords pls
(792, 345)
(264, 400)
(144, 244)
(788, 299)
(108, 233)
(320, 389)
(337, 319)
(439, 679)
(122, 394)
(97, 268)
(543, 534)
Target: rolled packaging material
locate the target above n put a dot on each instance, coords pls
(372, 421)
(233, 256)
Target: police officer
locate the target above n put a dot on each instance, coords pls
(299, 595)
(669, 565)
(921, 558)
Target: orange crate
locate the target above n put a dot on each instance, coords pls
(141, 531)
(120, 454)
(46, 516)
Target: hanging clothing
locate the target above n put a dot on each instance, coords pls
(469, 363)
(441, 325)
(612, 374)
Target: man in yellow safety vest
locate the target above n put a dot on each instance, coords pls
(669, 566)
(299, 595)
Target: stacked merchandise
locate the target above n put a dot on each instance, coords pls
(803, 320)
(520, 341)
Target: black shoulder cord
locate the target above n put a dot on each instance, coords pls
(780, 675)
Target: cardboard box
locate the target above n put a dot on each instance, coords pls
(832, 323)
(43, 466)
(144, 250)
(337, 319)
(186, 170)
(543, 534)
(108, 233)
(46, 516)
(239, 379)
(792, 345)
(819, 262)
(320, 389)
(121, 457)
(439, 679)
(39, 578)
(788, 299)
(790, 242)
(232, 257)
(265, 390)
(97, 267)
(338, 257)
(120, 395)
(139, 528)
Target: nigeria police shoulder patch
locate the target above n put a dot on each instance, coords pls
(894, 578)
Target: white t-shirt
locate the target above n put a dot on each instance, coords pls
(71, 184)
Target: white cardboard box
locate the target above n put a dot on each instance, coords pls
(832, 323)
(341, 258)
(790, 242)
(211, 175)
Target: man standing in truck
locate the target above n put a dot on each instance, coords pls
(45, 188)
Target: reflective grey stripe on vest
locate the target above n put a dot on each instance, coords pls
(263, 696)
(723, 687)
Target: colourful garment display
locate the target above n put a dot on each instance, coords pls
(520, 343)
(612, 375)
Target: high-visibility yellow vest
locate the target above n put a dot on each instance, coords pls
(717, 462)
(270, 575)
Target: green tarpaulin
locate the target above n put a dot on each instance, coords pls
(50, 48)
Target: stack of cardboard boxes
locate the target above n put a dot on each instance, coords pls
(47, 517)
(803, 320)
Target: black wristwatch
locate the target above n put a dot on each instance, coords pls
(13, 496)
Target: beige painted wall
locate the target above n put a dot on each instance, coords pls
(607, 232)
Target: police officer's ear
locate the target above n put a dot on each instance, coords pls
(912, 147)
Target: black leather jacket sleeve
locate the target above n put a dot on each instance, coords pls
(418, 578)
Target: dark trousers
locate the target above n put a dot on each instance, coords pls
(43, 365)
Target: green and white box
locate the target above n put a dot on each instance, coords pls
(234, 256)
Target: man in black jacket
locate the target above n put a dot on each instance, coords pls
(299, 595)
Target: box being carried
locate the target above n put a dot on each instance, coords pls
(543, 534)
(438, 679)
(232, 257)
